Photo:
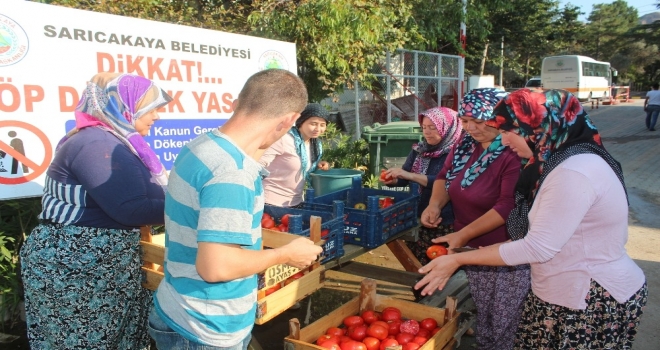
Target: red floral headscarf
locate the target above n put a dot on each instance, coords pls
(556, 127)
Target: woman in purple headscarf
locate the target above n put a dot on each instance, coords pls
(81, 264)
(441, 129)
(479, 177)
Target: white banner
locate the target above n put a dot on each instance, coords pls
(48, 53)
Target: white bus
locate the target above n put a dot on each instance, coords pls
(585, 77)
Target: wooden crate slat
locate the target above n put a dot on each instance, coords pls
(151, 278)
(283, 299)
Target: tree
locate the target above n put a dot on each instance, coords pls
(608, 23)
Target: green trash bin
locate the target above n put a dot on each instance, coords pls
(332, 180)
(390, 144)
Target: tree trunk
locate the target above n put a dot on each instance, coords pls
(483, 60)
(527, 68)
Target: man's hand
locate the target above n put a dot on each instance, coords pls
(431, 216)
(301, 252)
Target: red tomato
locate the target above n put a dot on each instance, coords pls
(283, 228)
(325, 232)
(383, 323)
(330, 345)
(357, 332)
(353, 345)
(267, 223)
(335, 331)
(327, 338)
(377, 331)
(388, 201)
(424, 333)
(390, 314)
(411, 346)
(353, 321)
(370, 316)
(409, 326)
(393, 328)
(435, 251)
(371, 343)
(285, 219)
(296, 276)
(387, 343)
(404, 338)
(273, 289)
(435, 330)
(419, 340)
(266, 216)
(383, 175)
(344, 338)
(428, 324)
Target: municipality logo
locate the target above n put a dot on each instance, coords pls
(272, 59)
(13, 42)
(560, 63)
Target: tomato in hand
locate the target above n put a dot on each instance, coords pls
(435, 251)
(384, 176)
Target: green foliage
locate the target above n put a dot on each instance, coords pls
(338, 41)
(341, 151)
(17, 217)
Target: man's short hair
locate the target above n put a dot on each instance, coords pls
(656, 86)
(272, 93)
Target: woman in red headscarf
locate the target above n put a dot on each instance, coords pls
(570, 223)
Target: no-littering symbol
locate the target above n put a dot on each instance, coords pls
(25, 152)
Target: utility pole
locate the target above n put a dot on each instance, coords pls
(502, 63)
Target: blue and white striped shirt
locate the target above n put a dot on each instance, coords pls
(215, 195)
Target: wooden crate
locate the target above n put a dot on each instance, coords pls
(153, 255)
(304, 339)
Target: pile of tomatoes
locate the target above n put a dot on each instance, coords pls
(374, 330)
(269, 222)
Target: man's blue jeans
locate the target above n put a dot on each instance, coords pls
(167, 339)
(652, 112)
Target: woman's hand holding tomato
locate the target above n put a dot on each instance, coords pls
(323, 165)
(453, 240)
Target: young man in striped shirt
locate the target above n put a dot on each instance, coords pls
(213, 212)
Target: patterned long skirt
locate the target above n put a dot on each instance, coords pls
(424, 241)
(83, 288)
(498, 293)
(604, 324)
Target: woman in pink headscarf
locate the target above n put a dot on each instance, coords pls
(81, 264)
(441, 129)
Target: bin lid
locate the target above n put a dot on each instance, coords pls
(406, 130)
(402, 127)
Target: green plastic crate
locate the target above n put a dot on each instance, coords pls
(394, 139)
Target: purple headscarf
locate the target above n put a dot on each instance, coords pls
(448, 126)
(114, 102)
